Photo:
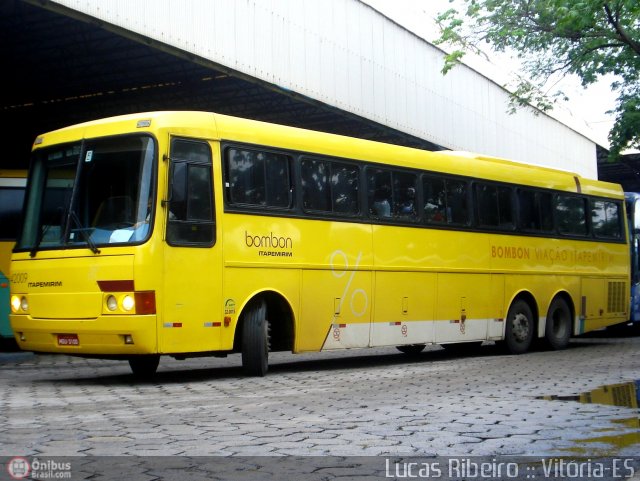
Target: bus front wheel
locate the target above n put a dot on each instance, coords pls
(520, 328)
(255, 340)
(558, 325)
(144, 366)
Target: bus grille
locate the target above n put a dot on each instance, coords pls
(615, 301)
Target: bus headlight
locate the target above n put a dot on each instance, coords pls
(15, 303)
(128, 303)
(112, 303)
(137, 302)
(19, 304)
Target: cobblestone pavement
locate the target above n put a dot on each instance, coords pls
(358, 403)
(361, 403)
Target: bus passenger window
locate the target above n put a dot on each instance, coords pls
(404, 195)
(329, 187)
(457, 202)
(571, 215)
(445, 201)
(434, 200)
(495, 206)
(344, 183)
(315, 185)
(379, 184)
(258, 178)
(605, 219)
(535, 211)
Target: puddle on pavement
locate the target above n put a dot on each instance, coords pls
(624, 432)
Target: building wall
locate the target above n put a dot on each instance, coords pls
(347, 55)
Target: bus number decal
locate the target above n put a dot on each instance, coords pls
(19, 277)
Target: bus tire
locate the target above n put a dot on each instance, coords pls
(144, 367)
(411, 349)
(255, 340)
(520, 328)
(558, 326)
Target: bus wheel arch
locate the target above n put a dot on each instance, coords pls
(559, 322)
(521, 323)
(266, 324)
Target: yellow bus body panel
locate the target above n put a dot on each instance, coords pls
(346, 284)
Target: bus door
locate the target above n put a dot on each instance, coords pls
(191, 318)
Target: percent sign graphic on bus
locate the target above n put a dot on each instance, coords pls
(340, 267)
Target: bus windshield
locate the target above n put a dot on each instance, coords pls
(89, 194)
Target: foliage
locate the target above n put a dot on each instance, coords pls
(554, 38)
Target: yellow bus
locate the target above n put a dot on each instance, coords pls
(193, 233)
(12, 186)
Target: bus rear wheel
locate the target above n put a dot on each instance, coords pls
(558, 325)
(144, 367)
(255, 340)
(520, 328)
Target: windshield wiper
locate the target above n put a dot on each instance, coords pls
(83, 231)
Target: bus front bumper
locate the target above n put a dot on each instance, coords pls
(105, 335)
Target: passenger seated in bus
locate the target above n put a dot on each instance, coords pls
(382, 202)
(407, 208)
(434, 210)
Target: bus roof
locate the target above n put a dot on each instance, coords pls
(213, 126)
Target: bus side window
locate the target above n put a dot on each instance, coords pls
(258, 178)
(571, 215)
(457, 202)
(404, 195)
(535, 210)
(344, 188)
(445, 201)
(329, 186)
(190, 217)
(605, 219)
(379, 185)
(495, 206)
(315, 185)
(435, 196)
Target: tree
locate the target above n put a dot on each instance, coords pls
(554, 38)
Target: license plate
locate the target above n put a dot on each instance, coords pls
(68, 340)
